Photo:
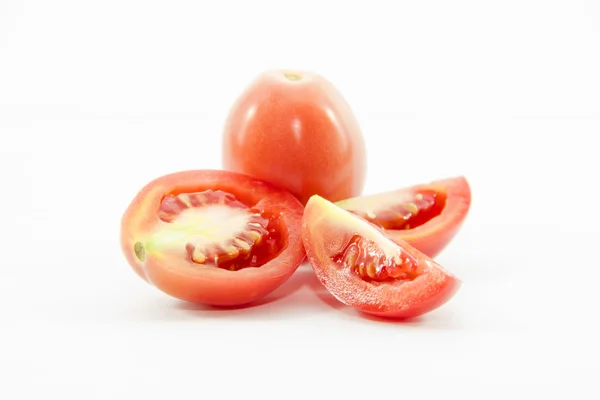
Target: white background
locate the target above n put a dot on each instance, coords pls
(99, 97)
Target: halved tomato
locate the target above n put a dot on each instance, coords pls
(364, 267)
(427, 216)
(213, 237)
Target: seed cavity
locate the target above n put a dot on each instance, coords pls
(239, 247)
(214, 228)
(365, 258)
(408, 214)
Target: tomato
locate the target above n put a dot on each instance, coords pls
(365, 268)
(427, 216)
(296, 131)
(213, 237)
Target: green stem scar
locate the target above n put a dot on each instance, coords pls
(140, 251)
(292, 77)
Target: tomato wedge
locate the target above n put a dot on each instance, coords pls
(364, 267)
(427, 216)
(213, 237)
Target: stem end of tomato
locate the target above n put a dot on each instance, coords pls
(140, 251)
(292, 76)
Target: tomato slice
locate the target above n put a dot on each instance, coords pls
(364, 267)
(213, 237)
(427, 216)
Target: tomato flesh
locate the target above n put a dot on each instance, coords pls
(364, 267)
(427, 216)
(213, 237)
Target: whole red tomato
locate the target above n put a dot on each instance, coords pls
(296, 131)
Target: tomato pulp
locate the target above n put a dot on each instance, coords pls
(295, 130)
(364, 267)
(427, 216)
(213, 237)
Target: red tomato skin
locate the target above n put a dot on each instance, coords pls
(415, 298)
(300, 135)
(212, 286)
(444, 287)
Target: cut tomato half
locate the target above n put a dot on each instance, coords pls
(364, 267)
(213, 237)
(427, 216)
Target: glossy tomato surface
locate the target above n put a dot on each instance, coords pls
(295, 130)
(365, 268)
(427, 216)
(213, 237)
